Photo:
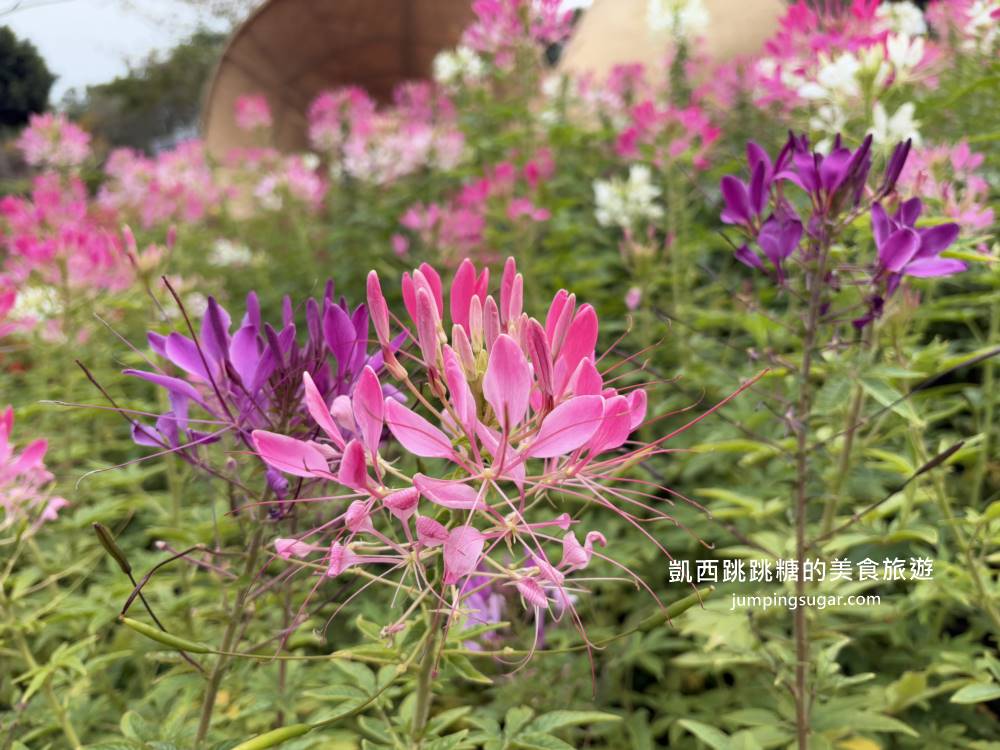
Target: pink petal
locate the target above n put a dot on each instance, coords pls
(447, 493)
(402, 503)
(318, 409)
(507, 383)
(462, 551)
(567, 427)
(378, 309)
(430, 533)
(463, 288)
(615, 426)
(31, 457)
(581, 338)
(577, 556)
(289, 548)
(341, 558)
(369, 408)
(586, 380)
(415, 433)
(532, 592)
(295, 457)
(458, 387)
(353, 467)
(637, 401)
(357, 517)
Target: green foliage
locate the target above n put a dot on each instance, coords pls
(25, 80)
(157, 101)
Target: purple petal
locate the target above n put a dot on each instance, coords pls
(935, 240)
(926, 267)
(748, 257)
(734, 193)
(898, 249)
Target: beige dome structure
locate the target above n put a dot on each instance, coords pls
(614, 32)
(291, 50)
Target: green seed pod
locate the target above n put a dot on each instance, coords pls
(111, 547)
(675, 609)
(181, 644)
(275, 737)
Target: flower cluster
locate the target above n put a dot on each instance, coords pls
(458, 227)
(51, 141)
(510, 419)
(59, 237)
(630, 203)
(252, 378)
(839, 63)
(253, 112)
(25, 494)
(381, 146)
(176, 186)
(836, 186)
(503, 28)
(949, 177)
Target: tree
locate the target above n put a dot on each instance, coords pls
(156, 103)
(25, 80)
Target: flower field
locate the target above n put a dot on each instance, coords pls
(528, 410)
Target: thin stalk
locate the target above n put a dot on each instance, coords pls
(228, 639)
(989, 391)
(844, 464)
(425, 687)
(800, 625)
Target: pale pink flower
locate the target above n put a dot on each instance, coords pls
(253, 112)
(51, 141)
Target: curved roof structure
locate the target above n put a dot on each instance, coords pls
(291, 50)
(614, 32)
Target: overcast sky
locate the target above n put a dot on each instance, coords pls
(91, 41)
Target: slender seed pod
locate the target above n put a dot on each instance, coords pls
(181, 644)
(107, 541)
(274, 737)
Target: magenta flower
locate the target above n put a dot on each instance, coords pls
(904, 250)
(507, 415)
(24, 481)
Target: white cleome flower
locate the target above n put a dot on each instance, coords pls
(225, 252)
(626, 203)
(836, 79)
(36, 303)
(685, 18)
(981, 29)
(888, 131)
(902, 18)
(460, 65)
(904, 53)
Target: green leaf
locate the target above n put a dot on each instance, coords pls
(539, 741)
(977, 692)
(709, 735)
(516, 719)
(446, 718)
(889, 397)
(357, 674)
(466, 670)
(558, 719)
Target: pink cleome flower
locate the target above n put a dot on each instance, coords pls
(510, 419)
(24, 480)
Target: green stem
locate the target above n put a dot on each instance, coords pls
(844, 464)
(425, 687)
(988, 391)
(228, 640)
(803, 410)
